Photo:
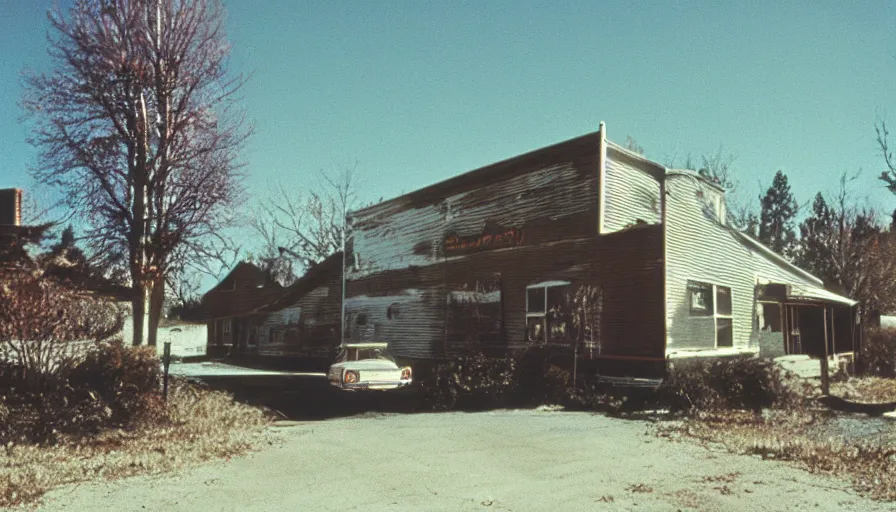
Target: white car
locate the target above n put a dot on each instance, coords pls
(367, 366)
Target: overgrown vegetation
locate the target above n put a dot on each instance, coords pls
(742, 382)
(793, 436)
(193, 426)
(878, 355)
(533, 378)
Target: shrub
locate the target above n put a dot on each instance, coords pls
(741, 382)
(113, 386)
(527, 378)
(471, 382)
(878, 354)
(125, 378)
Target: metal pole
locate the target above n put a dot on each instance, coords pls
(166, 360)
(342, 314)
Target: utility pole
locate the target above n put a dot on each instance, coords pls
(342, 313)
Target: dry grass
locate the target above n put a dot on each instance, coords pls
(788, 435)
(196, 425)
(866, 389)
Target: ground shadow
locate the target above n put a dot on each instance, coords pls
(312, 398)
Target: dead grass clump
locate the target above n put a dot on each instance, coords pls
(194, 426)
(866, 389)
(639, 488)
(785, 435)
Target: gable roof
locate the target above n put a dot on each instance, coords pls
(314, 277)
(773, 256)
(224, 300)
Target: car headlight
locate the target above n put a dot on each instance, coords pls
(406, 373)
(351, 377)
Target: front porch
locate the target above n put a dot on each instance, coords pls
(802, 320)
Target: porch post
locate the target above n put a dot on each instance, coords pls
(833, 332)
(825, 378)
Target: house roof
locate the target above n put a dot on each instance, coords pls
(696, 175)
(314, 277)
(243, 290)
(806, 293)
(656, 169)
(773, 256)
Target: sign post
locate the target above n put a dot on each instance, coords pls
(166, 361)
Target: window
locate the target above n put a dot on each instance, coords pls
(709, 300)
(548, 315)
(393, 311)
(227, 324)
(768, 316)
(700, 295)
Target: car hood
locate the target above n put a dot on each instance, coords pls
(367, 364)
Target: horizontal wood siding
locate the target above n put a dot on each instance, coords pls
(699, 248)
(632, 194)
(308, 327)
(627, 265)
(549, 195)
(548, 201)
(631, 274)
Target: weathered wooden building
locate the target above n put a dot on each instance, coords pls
(249, 313)
(582, 242)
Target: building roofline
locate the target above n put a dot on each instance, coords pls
(491, 170)
(660, 169)
(696, 175)
(775, 256)
(310, 280)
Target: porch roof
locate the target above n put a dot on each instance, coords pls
(809, 293)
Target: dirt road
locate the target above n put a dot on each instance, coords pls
(526, 460)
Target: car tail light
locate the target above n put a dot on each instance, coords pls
(406, 373)
(351, 377)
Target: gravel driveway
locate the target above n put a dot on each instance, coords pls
(516, 460)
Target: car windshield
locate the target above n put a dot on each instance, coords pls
(360, 353)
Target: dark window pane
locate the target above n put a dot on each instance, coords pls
(557, 298)
(771, 317)
(725, 336)
(536, 300)
(700, 299)
(723, 300)
(535, 329)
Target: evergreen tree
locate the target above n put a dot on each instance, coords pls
(818, 234)
(778, 213)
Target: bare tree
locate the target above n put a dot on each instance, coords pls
(300, 230)
(888, 176)
(848, 248)
(138, 124)
(632, 145)
(41, 317)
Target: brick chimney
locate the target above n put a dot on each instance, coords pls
(11, 206)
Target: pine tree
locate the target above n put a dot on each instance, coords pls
(778, 213)
(817, 240)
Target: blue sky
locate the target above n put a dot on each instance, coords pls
(416, 92)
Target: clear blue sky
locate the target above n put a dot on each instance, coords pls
(415, 92)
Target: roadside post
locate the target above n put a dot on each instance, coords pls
(166, 361)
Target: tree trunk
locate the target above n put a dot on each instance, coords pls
(156, 301)
(138, 307)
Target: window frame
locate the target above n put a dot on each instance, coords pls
(543, 315)
(714, 313)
